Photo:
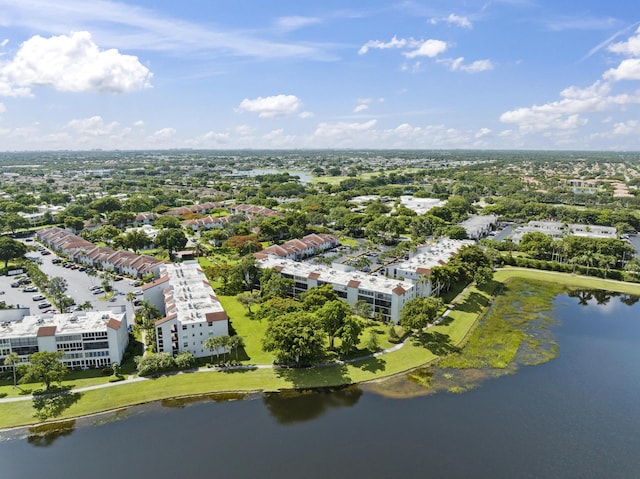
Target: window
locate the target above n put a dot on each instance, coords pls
(184, 327)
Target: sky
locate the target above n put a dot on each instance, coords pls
(372, 74)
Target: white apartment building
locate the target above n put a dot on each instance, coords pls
(88, 338)
(556, 230)
(191, 311)
(386, 297)
(420, 264)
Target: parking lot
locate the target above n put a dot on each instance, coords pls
(79, 284)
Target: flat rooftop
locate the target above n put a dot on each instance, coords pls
(65, 324)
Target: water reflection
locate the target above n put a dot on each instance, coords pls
(216, 397)
(44, 435)
(601, 297)
(290, 407)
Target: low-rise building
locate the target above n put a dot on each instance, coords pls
(297, 249)
(190, 309)
(385, 296)
(479, 226)
(417, 268)
(557, 229)
(87, 338)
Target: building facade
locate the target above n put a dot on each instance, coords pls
(87, 338)
(190, 309)
(385, 296)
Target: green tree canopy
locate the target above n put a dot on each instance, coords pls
(44, 367)
(419, 312)
(10, 249)
(296, 338)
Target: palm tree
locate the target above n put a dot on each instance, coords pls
(213, 345)
(235, 343)
(11, 360)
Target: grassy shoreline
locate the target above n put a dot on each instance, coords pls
(463, 318)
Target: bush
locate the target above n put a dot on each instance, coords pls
(185, 360)
(154, 363)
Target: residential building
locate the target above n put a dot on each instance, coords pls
(386, 297)
(298, 249)
(417, 268)
(190, 309)
(84, 252)
(88, 338)
(557, 229)
(479, 226)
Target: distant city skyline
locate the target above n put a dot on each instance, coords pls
(501, 74)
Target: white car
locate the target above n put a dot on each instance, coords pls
(38, 297)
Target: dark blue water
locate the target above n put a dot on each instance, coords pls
(577, 416)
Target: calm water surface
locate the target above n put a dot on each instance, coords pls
(575, 417)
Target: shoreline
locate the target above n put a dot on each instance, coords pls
(297, 379)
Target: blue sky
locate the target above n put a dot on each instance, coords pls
(228, 74)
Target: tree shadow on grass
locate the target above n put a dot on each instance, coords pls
(438, 343)
(372, 365)
(315, 376)
(53, 405)
(474, 303)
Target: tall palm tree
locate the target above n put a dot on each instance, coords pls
(11, 360)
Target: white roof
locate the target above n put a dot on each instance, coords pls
(68, 323)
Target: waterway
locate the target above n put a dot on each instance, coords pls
(577, 416)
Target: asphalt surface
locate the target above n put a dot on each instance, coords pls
(78, 283)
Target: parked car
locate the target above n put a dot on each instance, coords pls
(56, 261)
(1, 292)
(30, 289)
(44, 305)
(97, 291)
(38, 297)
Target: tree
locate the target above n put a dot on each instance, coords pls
(216, 343)
(332, 317)
(295, 338)
(74, 223)
(373, 344)
(349, 334)
(171, 240)
(57, 288)
(167, 222)
(273, 285)
(483, 275)
(248, 299)
(235, 344)
(362, 308)
(12, 359)
(420, 312)
(44, 367)
(146, 315)
(314, 298)
(10, 249)
(14, 221)
(247, 272)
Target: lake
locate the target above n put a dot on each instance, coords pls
(577, 416)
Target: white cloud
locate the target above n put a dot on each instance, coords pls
(93, 126)
(341, 130)
(272, 106)
(4, 43)
(2, 108)
(164, 134)
(306, 114)
(473, 67)
(482, 132)
(360, 107)
(72, 63)
(429, 48)
(377, 44)
(454, 19)
(628, 69)
(564, 114)
(631, 47)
